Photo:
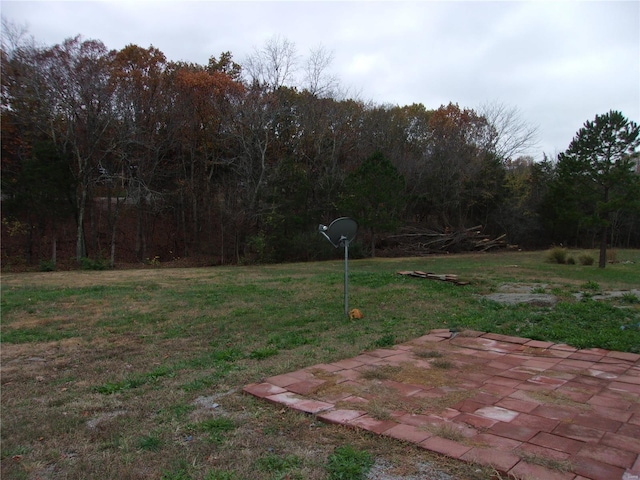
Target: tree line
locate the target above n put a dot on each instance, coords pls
(132, 157)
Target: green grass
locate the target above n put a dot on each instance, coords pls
(278, 466)
(103, 370)
(32, 335)
(150, 443)
(288, 340)
(585, 324)
(348, 463)
(134, 381)
(387, 340)
(221, 475)
(265, 352)
(216, 429)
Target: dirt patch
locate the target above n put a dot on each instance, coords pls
(523, 293)
(384, 470)
(521, 287)
(94, 422)
(536, 299)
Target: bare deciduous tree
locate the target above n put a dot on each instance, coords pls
(513, 136)
(14, 37)
(273, 65)
(317, 79)
(77, 74)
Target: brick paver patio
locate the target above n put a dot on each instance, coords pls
(531, 409)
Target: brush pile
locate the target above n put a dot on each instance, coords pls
(415, 241)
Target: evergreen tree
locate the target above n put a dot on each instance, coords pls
(374, 196)
(596, 174)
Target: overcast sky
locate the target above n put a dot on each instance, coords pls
(559, 63)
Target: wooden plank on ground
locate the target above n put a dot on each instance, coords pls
(447, 277)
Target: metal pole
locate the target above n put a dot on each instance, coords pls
(346, 277)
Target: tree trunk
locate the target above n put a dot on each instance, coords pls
(28, 247)
(237, 246)
(54, 251)
(221, 243)
(603, 248)
(80, 246)
(141, 234)
(373, 243)
(93, 230)
(112, 253)
(194, 225)
(603, 238)
(183, 226)
(194, 206)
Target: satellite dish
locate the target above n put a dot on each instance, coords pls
(340, 232)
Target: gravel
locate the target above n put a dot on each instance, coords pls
(383, 470)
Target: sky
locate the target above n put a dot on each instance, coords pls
(559, 63)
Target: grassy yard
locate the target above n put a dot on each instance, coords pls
(138, 373)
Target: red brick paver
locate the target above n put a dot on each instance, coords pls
(529, 409)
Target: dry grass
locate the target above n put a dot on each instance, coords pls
(448, 431)
(550, 463)
(552, 397)
(383, 372)
(442, 363)
(426, 353)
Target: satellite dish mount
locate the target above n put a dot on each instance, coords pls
(341, 232)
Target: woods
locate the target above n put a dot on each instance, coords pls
(125, 156)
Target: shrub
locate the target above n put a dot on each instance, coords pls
(257, 249)
(87, 263)
(47, 266)
(586, 259)
(571, 261)
(591, 285)
(630, 297)
(557, 255)
(155, 261)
